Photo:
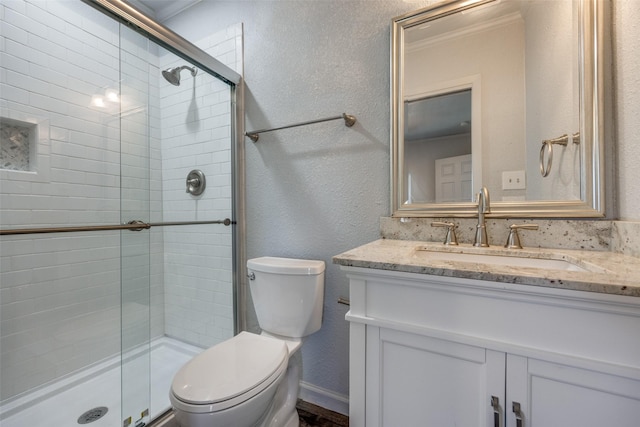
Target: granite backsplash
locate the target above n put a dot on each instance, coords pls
(595, 235)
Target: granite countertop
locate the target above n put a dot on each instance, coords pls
(602, 272)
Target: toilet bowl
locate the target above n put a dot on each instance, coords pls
(230, 384)
(252, 380)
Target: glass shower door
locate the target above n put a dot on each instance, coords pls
(94, 321)
(176, 175)
(138, 82)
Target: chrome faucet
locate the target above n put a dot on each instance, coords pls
(484, 206)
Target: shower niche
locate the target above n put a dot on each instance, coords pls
(17, 144)
(25, 146)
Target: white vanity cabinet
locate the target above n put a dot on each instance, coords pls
(433, 351)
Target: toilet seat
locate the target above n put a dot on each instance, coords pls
(229, 373)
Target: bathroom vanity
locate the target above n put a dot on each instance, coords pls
(463, 336)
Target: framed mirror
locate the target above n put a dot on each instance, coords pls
(502, 94)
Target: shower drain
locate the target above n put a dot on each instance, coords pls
(92, 415)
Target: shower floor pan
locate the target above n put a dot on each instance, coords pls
(60, 404)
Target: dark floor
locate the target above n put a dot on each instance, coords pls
(315, 416)
(310, 416)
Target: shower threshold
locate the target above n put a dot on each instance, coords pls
(61, 403)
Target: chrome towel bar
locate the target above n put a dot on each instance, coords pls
(349, 121)
(344, 301)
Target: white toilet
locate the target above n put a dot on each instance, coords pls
(251, 380)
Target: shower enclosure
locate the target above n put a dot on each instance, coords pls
(120, 192)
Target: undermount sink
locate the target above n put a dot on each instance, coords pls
(530, 261)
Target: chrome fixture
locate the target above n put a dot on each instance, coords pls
(547, 146)
(495, 404)
(172, 75)
(135, 225)
(517, 410)
(196, 182)
(513, 241)
(349, 121)
(450, 238)
(484, 207)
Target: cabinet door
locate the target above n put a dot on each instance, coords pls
(415, 380)
(555, 395)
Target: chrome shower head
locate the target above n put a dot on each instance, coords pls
(172, 75)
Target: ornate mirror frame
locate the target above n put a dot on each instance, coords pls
(591, 82)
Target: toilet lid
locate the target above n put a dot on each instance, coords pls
(234, 367)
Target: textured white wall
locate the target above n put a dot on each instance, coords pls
(313, 191)
(318, 190)
(627, 75)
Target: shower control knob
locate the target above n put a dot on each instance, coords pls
(196, 182)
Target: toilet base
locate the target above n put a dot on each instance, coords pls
(294, 420)
(284, 413)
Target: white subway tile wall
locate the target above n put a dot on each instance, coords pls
(16, 139)
(196, 135)
(60, 300)
(60, 295)
(138, 87)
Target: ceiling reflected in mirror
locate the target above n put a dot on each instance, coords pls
(438, 116)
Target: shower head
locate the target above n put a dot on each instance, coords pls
(172, 75)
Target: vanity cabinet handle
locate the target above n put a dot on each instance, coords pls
(450, 238)
(495, 403)
(518, 412)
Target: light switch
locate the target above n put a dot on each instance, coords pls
(513, 180)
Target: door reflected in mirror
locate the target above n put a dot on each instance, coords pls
(437, 135)
(478, 86)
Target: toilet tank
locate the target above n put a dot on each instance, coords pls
(288, 294)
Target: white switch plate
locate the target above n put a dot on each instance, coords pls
(513, 180)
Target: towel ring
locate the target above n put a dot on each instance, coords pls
(545, 167)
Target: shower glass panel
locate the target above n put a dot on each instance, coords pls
(138, 85)
(94, 324)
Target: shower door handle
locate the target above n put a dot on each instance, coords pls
(143, 225)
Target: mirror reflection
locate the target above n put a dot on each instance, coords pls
(438, 132)
(485, 96)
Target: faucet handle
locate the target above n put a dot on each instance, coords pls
(450, 238)
(513, 241)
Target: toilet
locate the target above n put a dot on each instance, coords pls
(252, 380)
